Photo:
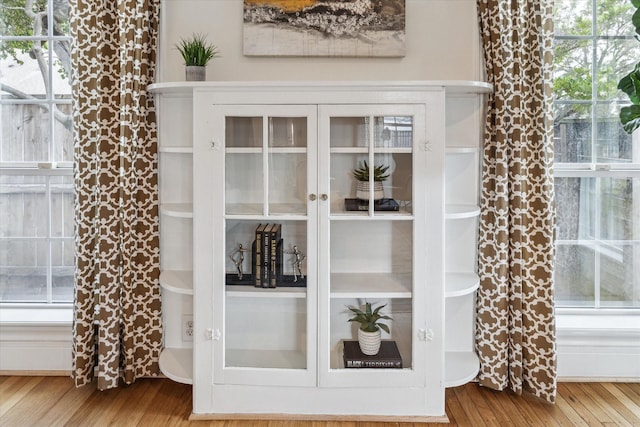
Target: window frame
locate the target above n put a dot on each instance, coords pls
(49, 168)
(597, 169)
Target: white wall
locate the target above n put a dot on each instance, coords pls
(441, 40)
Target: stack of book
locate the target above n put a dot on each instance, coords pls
(267, 256)
(388, 357)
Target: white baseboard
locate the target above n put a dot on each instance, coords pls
(35, 341)
(598, 349)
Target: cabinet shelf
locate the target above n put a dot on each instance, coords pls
(365, 150)
(178, 281)
(459, 284)
(177, 364)
(239, 291)
(176, 150)
(177, 210)
(460, 149)
(270, 359)
(461, 211)
(277, 211)
(371, 285)
(271, 150)
(460, 368)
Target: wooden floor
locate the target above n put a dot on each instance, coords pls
(54, 401)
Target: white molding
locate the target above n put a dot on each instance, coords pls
(603, 347)
(35, 348)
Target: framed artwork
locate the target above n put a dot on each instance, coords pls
(356, 28)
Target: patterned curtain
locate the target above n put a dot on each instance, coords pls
(515, 328)
(117, 321)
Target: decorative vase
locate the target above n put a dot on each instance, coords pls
(195, 73)
(369, 342)
(362, 190)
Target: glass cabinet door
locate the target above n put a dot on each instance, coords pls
(368, 241)
(269, 224)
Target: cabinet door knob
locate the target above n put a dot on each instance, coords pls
(324, 197)
(312, 197)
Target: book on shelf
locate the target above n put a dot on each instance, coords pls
(257, 258)
(266, 256)
(388, 356)
(275, 252)
(378, 205)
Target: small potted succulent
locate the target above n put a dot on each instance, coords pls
(369, 335)
(361, 174)
(197, 53)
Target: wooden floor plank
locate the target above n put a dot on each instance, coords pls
(37, 404)
(51, 401)
(67, 405)
(470, 410)
(14, 392)
(573, 396)
(631, 408)
(607, 403)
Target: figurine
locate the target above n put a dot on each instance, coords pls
(297, 263)
(239, 261)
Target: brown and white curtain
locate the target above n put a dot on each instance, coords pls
(515, 328)
(117, 331)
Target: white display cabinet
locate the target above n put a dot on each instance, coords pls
(284, 153)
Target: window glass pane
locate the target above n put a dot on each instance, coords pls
(575, 208)
(620, 275)
(63, 134)
(23, 270)
(23, 206)
(575, 275)
(615, 58)
(572, 69)
(25, 133)
(14, 20)
(61, 18)
(572, 133)
(613, 144)
(393, 131)
(620, 215)
(614, 17)
(62, 197)
(62, 262)
(61, 56)
(573, 17)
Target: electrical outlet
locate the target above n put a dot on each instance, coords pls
(187, 327)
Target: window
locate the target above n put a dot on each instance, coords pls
(36, 153)
(597, 169)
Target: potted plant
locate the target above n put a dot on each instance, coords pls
(369, 335)
(361, 174)
(196, 52)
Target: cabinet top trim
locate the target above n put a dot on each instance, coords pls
(450, 86)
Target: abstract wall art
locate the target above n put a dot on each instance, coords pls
(356, 28)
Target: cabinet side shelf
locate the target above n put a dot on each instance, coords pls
(460, 211)
(176, 150)
(460, 284)
(178, 210)
(461, 149)
(177, 364)
(460, 367)
(178, 281)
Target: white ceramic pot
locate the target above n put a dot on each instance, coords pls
(369, 342)
(362, 190)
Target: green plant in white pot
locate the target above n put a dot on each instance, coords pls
(361, 174)
(369, 334)
(197, 53)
